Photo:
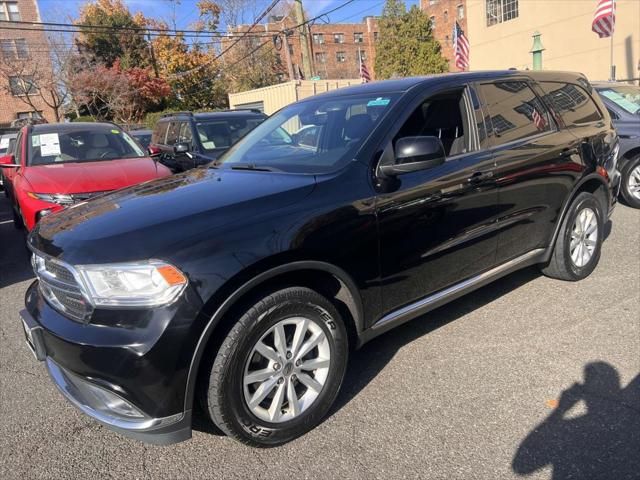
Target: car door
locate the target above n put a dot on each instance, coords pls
(437, 225)
(168, 156)
(10, 173)
(185, 136)
(536, 164)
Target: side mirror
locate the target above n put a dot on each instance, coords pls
(413, 154)
(154, 151)
(9, 161)
(181, 148)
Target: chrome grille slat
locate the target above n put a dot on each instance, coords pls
(61, 290)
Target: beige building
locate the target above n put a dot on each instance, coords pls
(273, 98)
(500, 36)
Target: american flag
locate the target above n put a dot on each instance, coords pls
(460, 47)
(538, 119)
(364, 72)
(604, 19)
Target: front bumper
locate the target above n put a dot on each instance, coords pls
(125, 378)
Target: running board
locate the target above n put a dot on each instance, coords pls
(437, 299)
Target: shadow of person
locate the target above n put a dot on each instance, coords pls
(601, 443)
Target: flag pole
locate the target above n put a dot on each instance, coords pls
(612, 67)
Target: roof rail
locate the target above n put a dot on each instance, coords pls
(254, 110)
(173, 114)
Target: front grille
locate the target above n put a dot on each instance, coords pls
(61, 290)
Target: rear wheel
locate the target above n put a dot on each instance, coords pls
(630, 182)
(577, 249)
(279, 369)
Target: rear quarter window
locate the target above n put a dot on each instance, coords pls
(159, 133)
(571, 102)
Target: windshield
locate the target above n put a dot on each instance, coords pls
(221, 134)
(626, 97)
(81, 144)
(314, 136)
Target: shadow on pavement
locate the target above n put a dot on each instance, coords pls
(603, 443)
(14, 257)
(366, 363)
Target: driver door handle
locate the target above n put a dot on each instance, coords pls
(478, 177)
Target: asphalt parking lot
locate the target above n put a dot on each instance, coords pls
(526, 378)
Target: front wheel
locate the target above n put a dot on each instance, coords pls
(630, 182)
(279, 369)
(577, 250)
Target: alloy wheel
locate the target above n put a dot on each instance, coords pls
(633, 182)
(584, 237)
(286, 370)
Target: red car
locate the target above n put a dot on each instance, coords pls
(57, 165)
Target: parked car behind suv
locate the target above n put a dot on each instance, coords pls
(7, 143)
(60, 164)
(244, 285)
(185, 140)
(623, 103)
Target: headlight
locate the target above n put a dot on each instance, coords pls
(59, 198)
(148, 284)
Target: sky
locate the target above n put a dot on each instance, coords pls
(186, 12)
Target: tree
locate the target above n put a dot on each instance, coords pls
(111, 93)
(251, 67)
(406, 46)
(123, 39)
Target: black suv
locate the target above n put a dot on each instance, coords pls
(185, 140)
(241, 288)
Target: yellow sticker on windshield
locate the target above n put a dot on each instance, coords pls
(115, 131)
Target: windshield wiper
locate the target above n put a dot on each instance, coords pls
(251, 166)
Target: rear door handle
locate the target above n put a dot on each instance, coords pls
(478, 177)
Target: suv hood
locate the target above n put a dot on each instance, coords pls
(147, 220)
(87, 177)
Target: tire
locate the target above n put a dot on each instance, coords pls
(563, 265)
(228, 395)
(18, 223)
(630, 182)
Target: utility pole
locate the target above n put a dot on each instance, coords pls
(153, 55)
(307, 67)
(287, 54)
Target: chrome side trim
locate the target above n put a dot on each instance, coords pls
(443, 296)
(65, 382)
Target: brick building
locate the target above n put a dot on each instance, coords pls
(444, 14)
(335, 47)
(21, 49)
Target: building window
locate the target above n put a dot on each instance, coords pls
(338, 38)
(341, 57)
(375, 36)
(460, 12)
(360, 55)
(9, 11)
(318, 38)
(499, 11)
(433, 2)
(21, 115)
(358, 37)
(321, 57)
(12, 49)
(432, 19)
(290, 49)
(23, 85)
(446, 17)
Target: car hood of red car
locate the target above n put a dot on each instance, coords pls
(98, 176)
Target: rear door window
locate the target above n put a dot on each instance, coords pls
(515, 111)
(571, 102)
(159, 133)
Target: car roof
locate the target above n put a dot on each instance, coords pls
(141, 132)
(402, 85)
(9, 135)
(240, 113)
(71, 126)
